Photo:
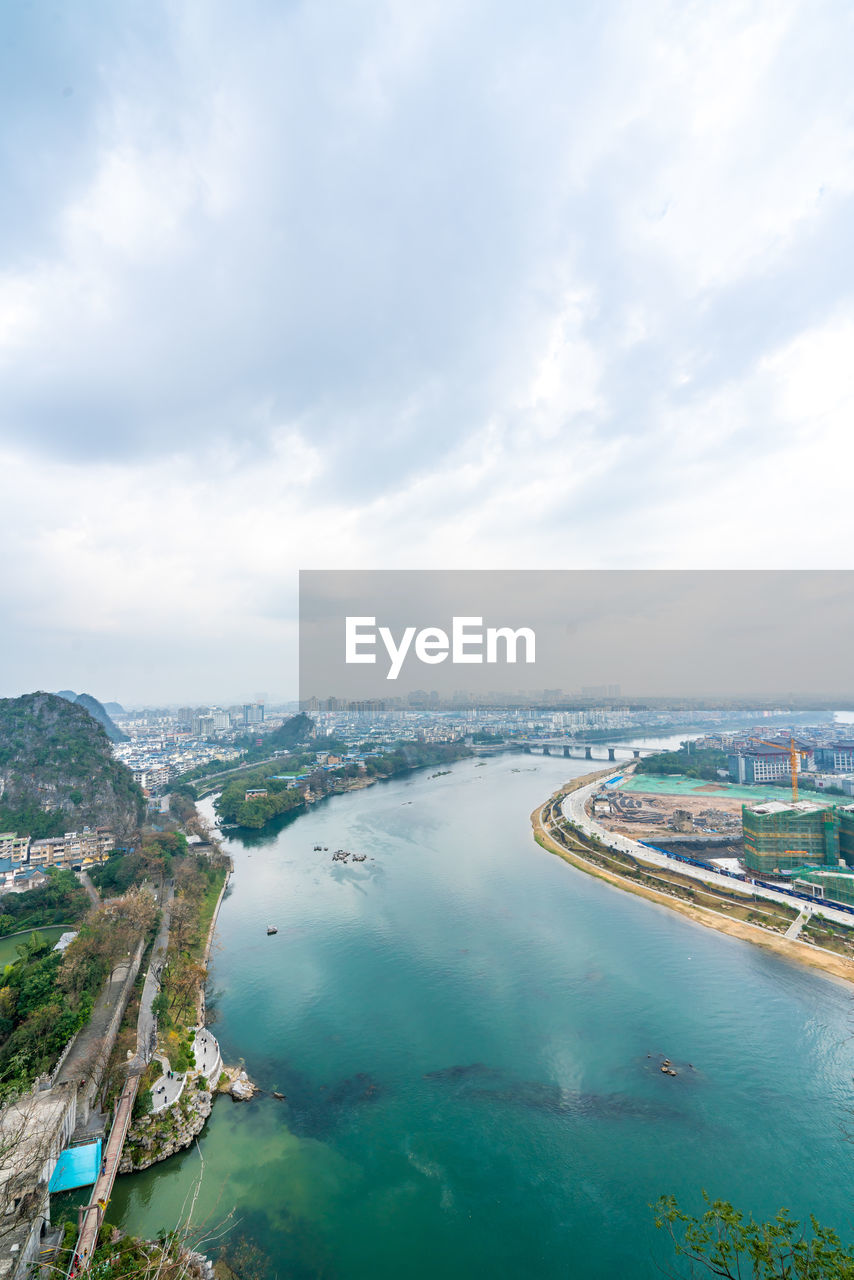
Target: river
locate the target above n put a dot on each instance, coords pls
(462, 1026)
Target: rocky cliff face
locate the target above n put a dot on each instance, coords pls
(57, 771)
(97, 712)
(154, 1138)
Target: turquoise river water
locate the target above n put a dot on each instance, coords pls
(462, 1026)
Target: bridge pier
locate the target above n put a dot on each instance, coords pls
(636, 753)
(546, 751)
(588, 753)
(566, 753)
(611, 755)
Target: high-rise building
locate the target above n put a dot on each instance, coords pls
(845, 820)
(779, 837)
(764, 765)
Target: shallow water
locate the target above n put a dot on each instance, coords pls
(468, 1033)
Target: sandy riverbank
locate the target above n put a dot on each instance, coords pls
(789, 948)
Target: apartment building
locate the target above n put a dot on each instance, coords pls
(13, 846)
(73, 848)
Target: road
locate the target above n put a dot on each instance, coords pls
(90, 888)
(573, 809)
(145, 1027)
(93, 1215)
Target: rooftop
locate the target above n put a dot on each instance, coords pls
(778, 806)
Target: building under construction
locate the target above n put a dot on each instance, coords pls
(836, 884)
(779, 837)
(845, 826)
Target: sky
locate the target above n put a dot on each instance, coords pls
(379, 284)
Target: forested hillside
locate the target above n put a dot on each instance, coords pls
(57, 771)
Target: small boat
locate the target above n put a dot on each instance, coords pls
(271, 928)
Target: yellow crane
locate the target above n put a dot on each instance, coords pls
(794, 755)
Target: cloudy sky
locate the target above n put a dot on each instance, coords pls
(406, 284)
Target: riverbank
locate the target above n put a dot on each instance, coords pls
(790, 948)
(252, 801)
(209, 940)
(457, 1024)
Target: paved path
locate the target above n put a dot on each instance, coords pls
(90, 888)
(94, 1214)
(145, 1027)
(166, 1089)
(89, 1044)
(796, 925)
(208, 1057)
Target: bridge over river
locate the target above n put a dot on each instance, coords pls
(571, 748)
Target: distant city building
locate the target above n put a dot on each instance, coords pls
(765, 765)
(153, 780)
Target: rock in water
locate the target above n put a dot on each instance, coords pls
(242, 1089)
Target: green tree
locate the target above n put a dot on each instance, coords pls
(721, 1243)
(143, 1104)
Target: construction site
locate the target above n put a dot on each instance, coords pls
(707, 818)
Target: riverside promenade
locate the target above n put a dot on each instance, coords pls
(571, 804)
(92, 1215)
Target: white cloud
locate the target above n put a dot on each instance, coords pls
(427, 286)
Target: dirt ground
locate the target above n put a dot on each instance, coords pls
(653, 818)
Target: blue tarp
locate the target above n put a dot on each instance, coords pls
(76, 1167)
(614, 781)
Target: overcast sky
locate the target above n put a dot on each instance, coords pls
(419, 284)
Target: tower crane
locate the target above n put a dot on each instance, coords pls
(794, 755)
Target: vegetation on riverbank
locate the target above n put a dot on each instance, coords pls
(687, 761)
(46, 995)
(198, 884)
(233, 806)
(63, 900)
(283, 797)
(58, 773)
(403, 757)
(151, 859)
(721, 1243)
(123, 1257)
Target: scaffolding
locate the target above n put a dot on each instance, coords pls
(780, 837)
